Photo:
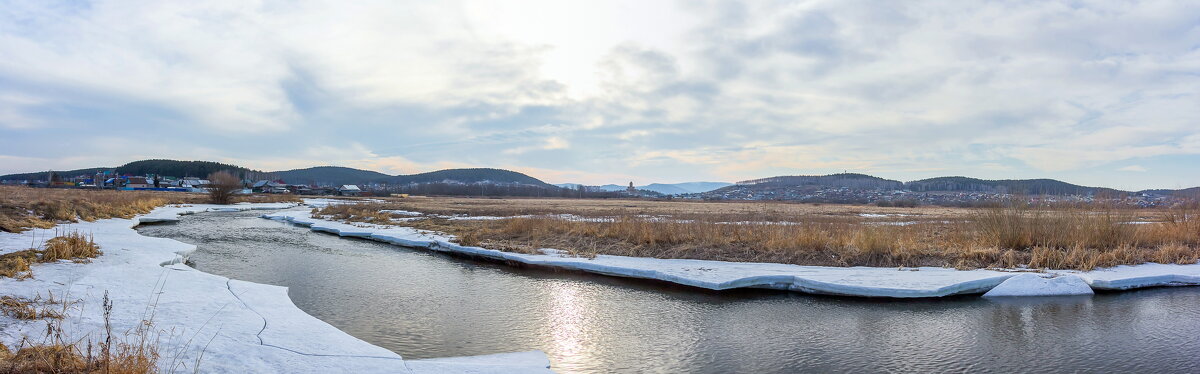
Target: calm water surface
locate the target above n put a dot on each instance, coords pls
(422, 305)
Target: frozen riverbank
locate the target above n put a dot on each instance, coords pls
(719, 275)
(237, 326)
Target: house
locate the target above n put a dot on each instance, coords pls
(193, 183)
(266, 186)
(327, 191)
(350, 190)
(137, 182)
(300, 189)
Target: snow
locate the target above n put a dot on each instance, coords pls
(721, 275)
(1029, 284)
(237, 326)
(1125, 277)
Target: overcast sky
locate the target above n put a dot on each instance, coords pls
(1096, 93)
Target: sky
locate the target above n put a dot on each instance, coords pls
(1103, 93)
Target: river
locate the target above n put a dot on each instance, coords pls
(422, 304)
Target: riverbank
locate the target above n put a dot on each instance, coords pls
(892, 282)
(1080, 237)
(215, 323)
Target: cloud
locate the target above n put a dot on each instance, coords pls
(1133, 168)
(681, 91)
(551, 143)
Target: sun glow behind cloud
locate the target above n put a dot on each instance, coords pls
(652, 91)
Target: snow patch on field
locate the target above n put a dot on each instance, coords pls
(238, 327)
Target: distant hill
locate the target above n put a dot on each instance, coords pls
(662, 188)
(334, 175)
(849, 180)
(699, 187)
(172, 168)
(1010, 186)
(175, 168)
(469, 176)
(330, 175)
(41, 175)
(610, 187)
(1193, 192)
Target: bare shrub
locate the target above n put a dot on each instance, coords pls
(223, 186)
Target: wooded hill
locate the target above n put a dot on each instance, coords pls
(323, 175)
(173, 168)
(342, 175)
(941, 184)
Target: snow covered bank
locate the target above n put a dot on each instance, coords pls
(720, 275)
(238, 327)
(1041, 285)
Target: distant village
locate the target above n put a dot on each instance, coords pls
(864, 194)
(111, 180)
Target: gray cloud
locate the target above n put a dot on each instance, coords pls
(711, 90)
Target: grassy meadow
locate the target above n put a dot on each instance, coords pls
(1076, 237)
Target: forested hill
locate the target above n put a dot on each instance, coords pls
(1193, 192)
(342, 175)
(469, 176)
(941, 184)
(41, 175)
(848, 180)
(172, 168)
(1010, 186)
(324, 175)
(331, 175)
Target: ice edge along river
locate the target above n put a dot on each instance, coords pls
(845, 281)
(217, 323)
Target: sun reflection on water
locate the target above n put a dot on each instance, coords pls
(569, 325)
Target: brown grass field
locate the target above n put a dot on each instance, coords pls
(1081, 238)
(22, 208)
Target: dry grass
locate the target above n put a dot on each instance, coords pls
(22, 208)
(72, 246)
(28, 309)
(16, 264)
(357, 213)
(805, 234)
(136, 352)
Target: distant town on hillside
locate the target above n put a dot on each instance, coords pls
(189, 176)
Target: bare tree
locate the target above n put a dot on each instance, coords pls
(222, 187)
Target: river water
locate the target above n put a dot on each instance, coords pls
(422, 304)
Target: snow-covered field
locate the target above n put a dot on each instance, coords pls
(236, 326)
(849, 281)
